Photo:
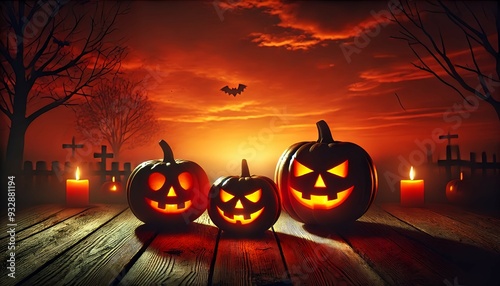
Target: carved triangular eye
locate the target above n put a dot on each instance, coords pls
(255, 196)
(156, 181)
(225, 196)
(340, 170)
(300, 170)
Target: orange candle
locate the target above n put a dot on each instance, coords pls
(412, 191)
(77, 191)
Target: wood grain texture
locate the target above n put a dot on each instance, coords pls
(468, 248)
(176, 258)
(322, 258)
(101, 256)
(445, 227)
(26, 218)
(36, 251)
(487, 226)
(249, 261)
(389, 247)
(48, 222)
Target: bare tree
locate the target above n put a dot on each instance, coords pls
(432, 28)
(119, 112)
(51, 51)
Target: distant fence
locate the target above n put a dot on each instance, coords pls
(67, 170)
(41, 182)
(472, 164)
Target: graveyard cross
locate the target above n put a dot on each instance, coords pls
(73, 146)
(103, 155)
(449, 137)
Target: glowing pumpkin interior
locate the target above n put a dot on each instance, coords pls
(158, 182)
(239, 215)
(329, 199)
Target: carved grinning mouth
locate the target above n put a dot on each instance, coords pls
(322, 201)
(169, 208)
(242, 219)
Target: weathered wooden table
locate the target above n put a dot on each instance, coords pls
(389, 245)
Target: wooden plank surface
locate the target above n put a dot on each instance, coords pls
(175, 258)
(26, 218)
(389, 247)
(485, 224)
(101, 256)
(36, 251)
(48, 222)
(445, 227)
(320, 259)
(474, 255)
(249, 261)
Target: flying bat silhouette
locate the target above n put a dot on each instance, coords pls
(60, 43)
(234, 91)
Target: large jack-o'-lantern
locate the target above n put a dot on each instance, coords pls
(168, 191)
(244, 204)
(326, 181)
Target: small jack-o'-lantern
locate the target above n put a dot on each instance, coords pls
(112, 192)
(326, 181)
(458, 191)
(168, 191)
(112, 187)
(244, 205)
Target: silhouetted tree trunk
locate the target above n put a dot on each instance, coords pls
(50, 52)
(479, 26)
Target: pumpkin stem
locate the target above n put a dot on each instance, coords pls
(324, 134)
(245, 172)
(168, 155)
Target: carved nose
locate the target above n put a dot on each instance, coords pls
(238, 205)
(171, 192)
(320, 183)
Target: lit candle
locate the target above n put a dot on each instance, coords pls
(412, 191)
(77, 191)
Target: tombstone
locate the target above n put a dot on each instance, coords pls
(449, 153)
(103, 155)
(484, 162)
(115, 172)
(473, 163)
(495, 163)
(127, 168)
(56, 170)
(28, 180)
(73, 147)
(41, 176)
(449, 147)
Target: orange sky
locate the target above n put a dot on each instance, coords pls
(291, 58)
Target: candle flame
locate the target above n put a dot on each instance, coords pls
(113, 187)
(461, 176)
(412, 173)
(77, 173)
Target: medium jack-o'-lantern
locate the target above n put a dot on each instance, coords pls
(326, 181)
(458, 191)
(168, 191)
(244, 205)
